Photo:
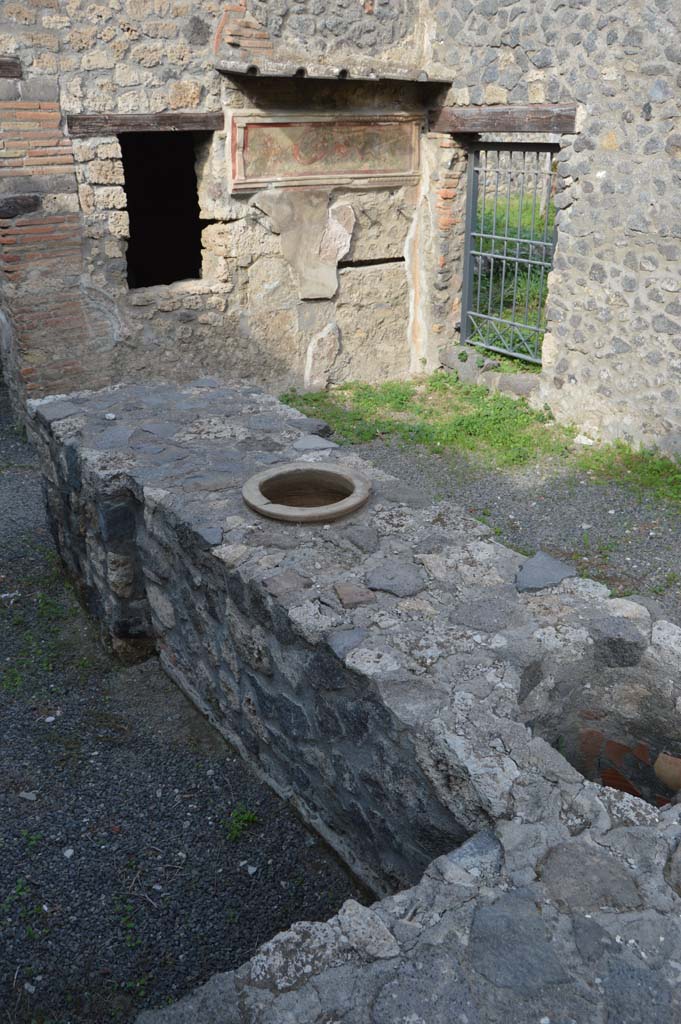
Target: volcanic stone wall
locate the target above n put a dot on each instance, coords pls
(403, 678)
(612, 354)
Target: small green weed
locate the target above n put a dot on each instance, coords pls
(670, 580)
(18, 905)
(125, 912)
(239, 821)
(510, 365)
(11, 680)
(31, 838)
(138, 987)
(20, 891)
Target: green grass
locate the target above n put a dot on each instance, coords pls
(511, 291)
(441, 413)
(444, 414)
(642, 469)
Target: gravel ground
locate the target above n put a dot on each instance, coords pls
(120, 886)
(631, 544)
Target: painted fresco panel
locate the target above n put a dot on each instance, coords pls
(322, 150)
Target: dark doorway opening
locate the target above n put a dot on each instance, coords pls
(163, 205)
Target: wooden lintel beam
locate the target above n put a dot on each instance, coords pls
(10, 67)
(538, 117)
(81, 126)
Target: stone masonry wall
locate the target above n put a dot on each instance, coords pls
(535, 923)
(243, 318)
(403, 678)
(394, 674)
(612, 354)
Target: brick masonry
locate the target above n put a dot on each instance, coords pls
(60, 339)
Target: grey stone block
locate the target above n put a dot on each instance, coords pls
(589, 881)
(482, 855)
(617, 641)
(212, 535)
(363, 537)
(117, 521)
(511, 947)
(342, 641)
(40, 88)
(635, 995)
(591, 940)
(53, 411)
(313, 443)
(403, 579)
(430, 988)
(542, 571)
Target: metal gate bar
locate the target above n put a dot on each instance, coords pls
(509, 247)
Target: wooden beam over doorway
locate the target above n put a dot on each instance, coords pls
(538, 117)
(81, 126)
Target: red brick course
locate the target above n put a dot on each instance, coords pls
(41, 260)
(242, 32)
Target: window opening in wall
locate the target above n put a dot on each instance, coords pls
(163, 205)
(510, 240)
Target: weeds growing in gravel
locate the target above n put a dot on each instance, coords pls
(443, 413)
(239, 821)
(642, 470)
(126, 920)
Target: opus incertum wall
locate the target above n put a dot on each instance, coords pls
(315, 282)
(406, 682)
(394, 672)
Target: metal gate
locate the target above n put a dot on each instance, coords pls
(510, 237)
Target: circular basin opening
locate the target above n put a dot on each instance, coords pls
(306, 493)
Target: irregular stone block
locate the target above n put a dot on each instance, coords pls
(313, 443)
(117, 521)
(366, 932)
(617, 641)
(509, 946)
(590, 881)
(322, 353)
(542, 571)
(351, 595)
(404, 579)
